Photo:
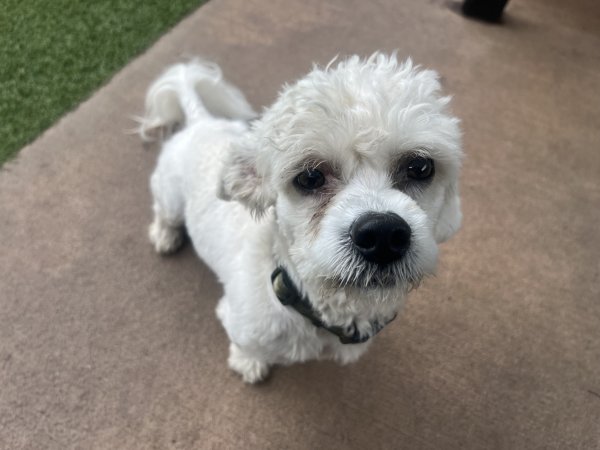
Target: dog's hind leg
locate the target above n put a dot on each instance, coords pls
(166, 231)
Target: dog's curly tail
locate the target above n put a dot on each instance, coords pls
(190, 91)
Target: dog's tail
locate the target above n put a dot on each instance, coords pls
(188, 92)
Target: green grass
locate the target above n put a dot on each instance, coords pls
(54, 54)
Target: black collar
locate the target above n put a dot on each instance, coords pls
(288, 295)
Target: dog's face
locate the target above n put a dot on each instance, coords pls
(361, 164)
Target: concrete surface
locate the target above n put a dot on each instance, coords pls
(105, 345)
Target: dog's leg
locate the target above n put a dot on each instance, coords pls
(251, 369)
(166, 231)
(166, 236)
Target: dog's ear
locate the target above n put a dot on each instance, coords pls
(243, 180)
(450, 216)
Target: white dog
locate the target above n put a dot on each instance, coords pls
(320, 215)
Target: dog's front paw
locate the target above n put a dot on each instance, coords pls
(349, 353)
(166, 238)
(251, 369)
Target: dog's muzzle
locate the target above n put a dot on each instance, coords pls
(381, 238)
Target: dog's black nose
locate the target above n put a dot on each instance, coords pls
(381, 237)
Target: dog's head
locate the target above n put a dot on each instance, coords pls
(360, 162)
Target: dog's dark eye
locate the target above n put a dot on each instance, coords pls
(309, 180)
(420, 168)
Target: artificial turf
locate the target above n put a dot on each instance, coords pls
(53, 54)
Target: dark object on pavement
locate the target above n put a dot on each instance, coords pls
(488, 10)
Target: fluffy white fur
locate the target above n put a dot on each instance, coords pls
(227, 176)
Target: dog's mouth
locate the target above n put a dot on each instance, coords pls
(376, 278)
(372, 277)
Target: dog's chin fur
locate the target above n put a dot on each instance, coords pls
(371, 277)
(227, 176)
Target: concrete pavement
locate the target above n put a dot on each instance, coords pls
(103, 344)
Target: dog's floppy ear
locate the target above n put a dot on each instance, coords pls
(450, 216)
(243, 180)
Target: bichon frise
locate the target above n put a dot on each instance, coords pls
(318, 216)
